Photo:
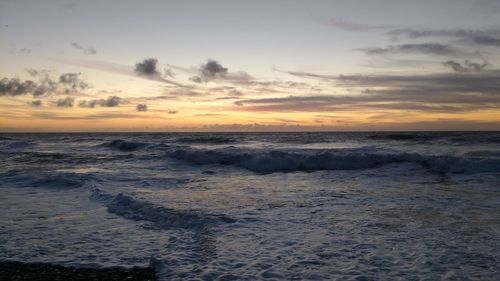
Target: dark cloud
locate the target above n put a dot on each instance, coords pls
(65, 102)
(467, 66)
(111, 101)
(72, 82)
(172, 112)
(148, 67)
(351, 26)
(86, 50)
(141, 107)
(423, 48)
(479, 37)
(36, 103)
(212, 69)
(16, 87)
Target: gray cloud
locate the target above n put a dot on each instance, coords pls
(212, 69)
(117, 69)
(422, 48)
(36, 103)
(455, 92)
(351, 26)
(111, 101)
(196, 79)
(172, 112)
(65, 102)
(467, 66)
(148, 67)
(86, 50)
(479, 37)
(378, 101)
(72, 82)
(16, 87)
(141, 107)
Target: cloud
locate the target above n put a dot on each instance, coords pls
(16, 87)
(303, 74)
(467, 66)
(351, 26)
(148, 67)
(172, 112)
(141, 107)
(104, 115)
(116, 69)
(25, 51)
(72, 82)
(196, 79)
(86, 50)
(212, 69)
(423, 48)
(479, 37)
(65, 102)
(111, 101)
(44, 86)
(451, 92)
(36, 103)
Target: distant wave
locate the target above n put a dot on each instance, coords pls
(124, 145)
(206, 139)
(131, 208)
(340, 159)
(53, 180)
(16, 146)
(403, 137)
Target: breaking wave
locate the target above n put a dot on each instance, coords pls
(124, 145)
(133, 209)
(341, 159)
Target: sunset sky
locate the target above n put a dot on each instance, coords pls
(249, 65)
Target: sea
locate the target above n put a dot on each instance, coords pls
(256, 206)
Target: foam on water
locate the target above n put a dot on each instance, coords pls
(301, 206)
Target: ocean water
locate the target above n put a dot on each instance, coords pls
(256, 206)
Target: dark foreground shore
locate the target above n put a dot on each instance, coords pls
(17, 271)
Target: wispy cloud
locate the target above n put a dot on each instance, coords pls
(116, 69)
(86, 50)
(421, 48)
(480, 37)
(467, 66)
(352, 26)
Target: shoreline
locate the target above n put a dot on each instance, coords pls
(14, 270)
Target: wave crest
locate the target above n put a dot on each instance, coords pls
(124, 145)
(342, 159)
(131, 208)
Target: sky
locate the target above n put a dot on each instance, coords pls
(274, 65)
